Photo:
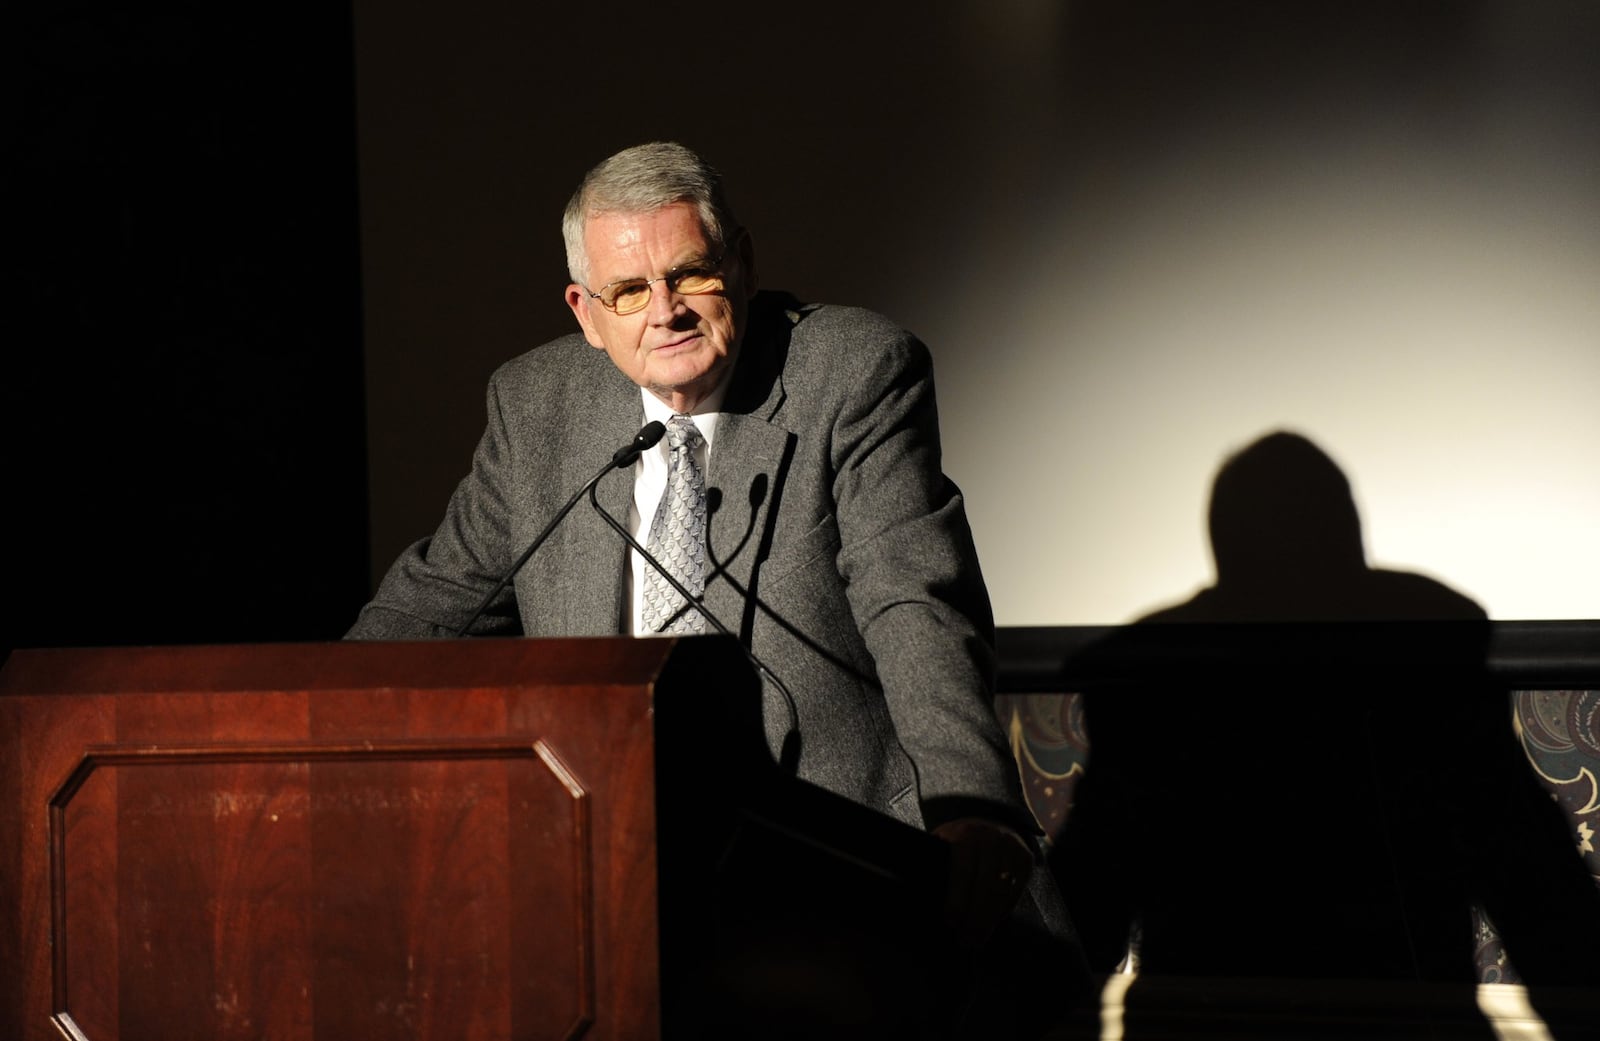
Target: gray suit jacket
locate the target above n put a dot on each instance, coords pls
(841, 552)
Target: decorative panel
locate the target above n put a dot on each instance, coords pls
(329, 890)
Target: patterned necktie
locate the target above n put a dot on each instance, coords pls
(678, 536)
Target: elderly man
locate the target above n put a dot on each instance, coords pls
(800, 482)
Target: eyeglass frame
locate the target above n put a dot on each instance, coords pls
(713, 264)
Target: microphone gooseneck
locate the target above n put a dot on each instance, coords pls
(644, 440)
(789, 754)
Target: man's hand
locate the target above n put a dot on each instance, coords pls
(989, 868)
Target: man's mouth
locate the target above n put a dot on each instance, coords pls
(679, 343)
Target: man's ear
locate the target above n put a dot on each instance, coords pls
(578, 301)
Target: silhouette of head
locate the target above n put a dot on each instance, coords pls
(1281, 514)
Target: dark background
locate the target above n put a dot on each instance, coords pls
(184, 428)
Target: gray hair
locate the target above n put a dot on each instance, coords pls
(644, 179)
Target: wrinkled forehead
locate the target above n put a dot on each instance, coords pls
(618, 242)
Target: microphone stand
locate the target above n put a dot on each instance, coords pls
(789, 752)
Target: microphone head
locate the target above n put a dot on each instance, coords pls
(645, 439)
(648, 436)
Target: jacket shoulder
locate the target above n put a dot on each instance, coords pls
(556, 364)
(827, 323)
(840, 343)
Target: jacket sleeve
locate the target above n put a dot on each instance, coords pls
(914, 585)
(438, 582)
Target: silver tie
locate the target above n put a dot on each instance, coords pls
(678, 536)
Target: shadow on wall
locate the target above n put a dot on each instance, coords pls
(1306, 770)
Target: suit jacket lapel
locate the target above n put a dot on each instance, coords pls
(746, 465)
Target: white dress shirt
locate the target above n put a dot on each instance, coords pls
(650, 483)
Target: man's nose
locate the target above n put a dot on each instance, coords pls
(665, 304)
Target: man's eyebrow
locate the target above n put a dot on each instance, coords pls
(700, 259)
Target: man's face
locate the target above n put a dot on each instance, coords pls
(679, 346)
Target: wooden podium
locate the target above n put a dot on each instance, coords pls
(458, 839)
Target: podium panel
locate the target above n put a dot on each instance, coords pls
(442, 840)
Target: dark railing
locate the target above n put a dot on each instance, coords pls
(1522, 655)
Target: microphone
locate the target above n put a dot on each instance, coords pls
(789, 752)
(644, 440)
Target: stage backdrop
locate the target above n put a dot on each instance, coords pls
(1136, 237)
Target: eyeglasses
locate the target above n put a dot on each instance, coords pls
(633, 294)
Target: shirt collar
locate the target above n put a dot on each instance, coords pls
(705, 414)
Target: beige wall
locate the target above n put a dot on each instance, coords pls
(1135, 240)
